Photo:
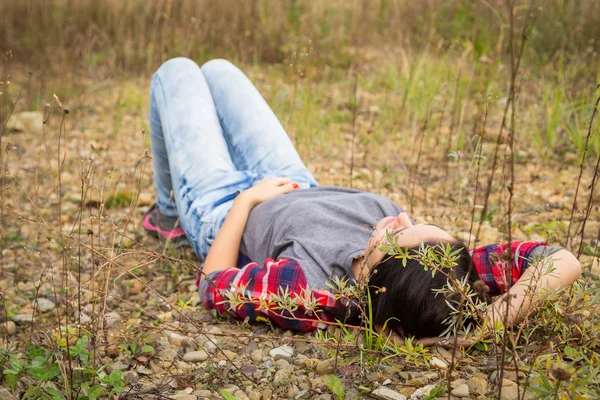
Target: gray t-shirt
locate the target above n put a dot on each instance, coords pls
(321, 228)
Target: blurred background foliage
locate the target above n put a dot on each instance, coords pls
(136, 35)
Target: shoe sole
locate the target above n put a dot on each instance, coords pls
(178, 240)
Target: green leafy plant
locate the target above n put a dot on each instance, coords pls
(336, 386)
(37, 367)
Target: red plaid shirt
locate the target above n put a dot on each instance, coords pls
(261, 288)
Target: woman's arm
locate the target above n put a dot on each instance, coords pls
(557, 271)
(223, 253)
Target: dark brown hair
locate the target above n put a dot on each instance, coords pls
(404, 295)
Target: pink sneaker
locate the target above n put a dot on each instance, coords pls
(164, 228)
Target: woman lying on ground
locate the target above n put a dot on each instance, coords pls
(226, 170)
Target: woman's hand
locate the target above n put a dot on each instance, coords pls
(268, 188)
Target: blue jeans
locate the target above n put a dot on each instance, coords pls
(213, 136)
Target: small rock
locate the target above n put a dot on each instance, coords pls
(510, 393)
(23, 318)
(252, 395)
(477, 385)
(419, 393)
(404, 375)
(179, 340)
(387, 394)
(461, 391)
(418, 382)
(84, 318)
(285, 351)
(145, 199)
(5, 395)
(311, 363)
(325, 367)
(456, 383)
(111, 319)
(230, 354)
(183, 396)
(301, 394)
(436, 362)
(267, 394)
(507, 382)
(209, 347)
(131, 377)
(431, 376)
(118, 366)
(241, 395)
(407, 390)
(282, 377)
(204, 394)
(168, 353)
(195, 356)
(250, 347)
(282, 363)
(256, 355)
(44, 305)
(9, 328)
(466, 237)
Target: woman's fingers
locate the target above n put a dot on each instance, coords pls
(278, 181)
(288, 187)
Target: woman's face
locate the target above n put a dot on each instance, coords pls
(406, 233)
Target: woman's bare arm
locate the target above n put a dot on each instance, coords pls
(224, 252)
(555, 272)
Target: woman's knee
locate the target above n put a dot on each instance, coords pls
(176, 67)
(219, 66)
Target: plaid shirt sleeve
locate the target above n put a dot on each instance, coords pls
(493, 267)
(259, 290)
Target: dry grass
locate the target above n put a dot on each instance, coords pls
(374, 94)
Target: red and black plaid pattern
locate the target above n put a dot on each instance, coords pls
(260, 286)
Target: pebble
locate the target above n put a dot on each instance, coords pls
(111, 319)
(282, 377)
(285, 351)
(8, 327)
(419, 393)
(5, 395)
(325, 367)
(131, 377)
(436, 362)
(183, 396)
(250, 347)
(387, 394)
(456, 383)
(417, 382)
(267, 394)
(510, 393)
(84, 318)
(311, 363)
(204, 394)
(44, 305)
(179, 340)
(252, 395)
(461, 391)
(282, 364)
(241, 395)
(118, 366)
(168, 353)
(256, 355)
(477, 385)
(229, 354)
(195, 356)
